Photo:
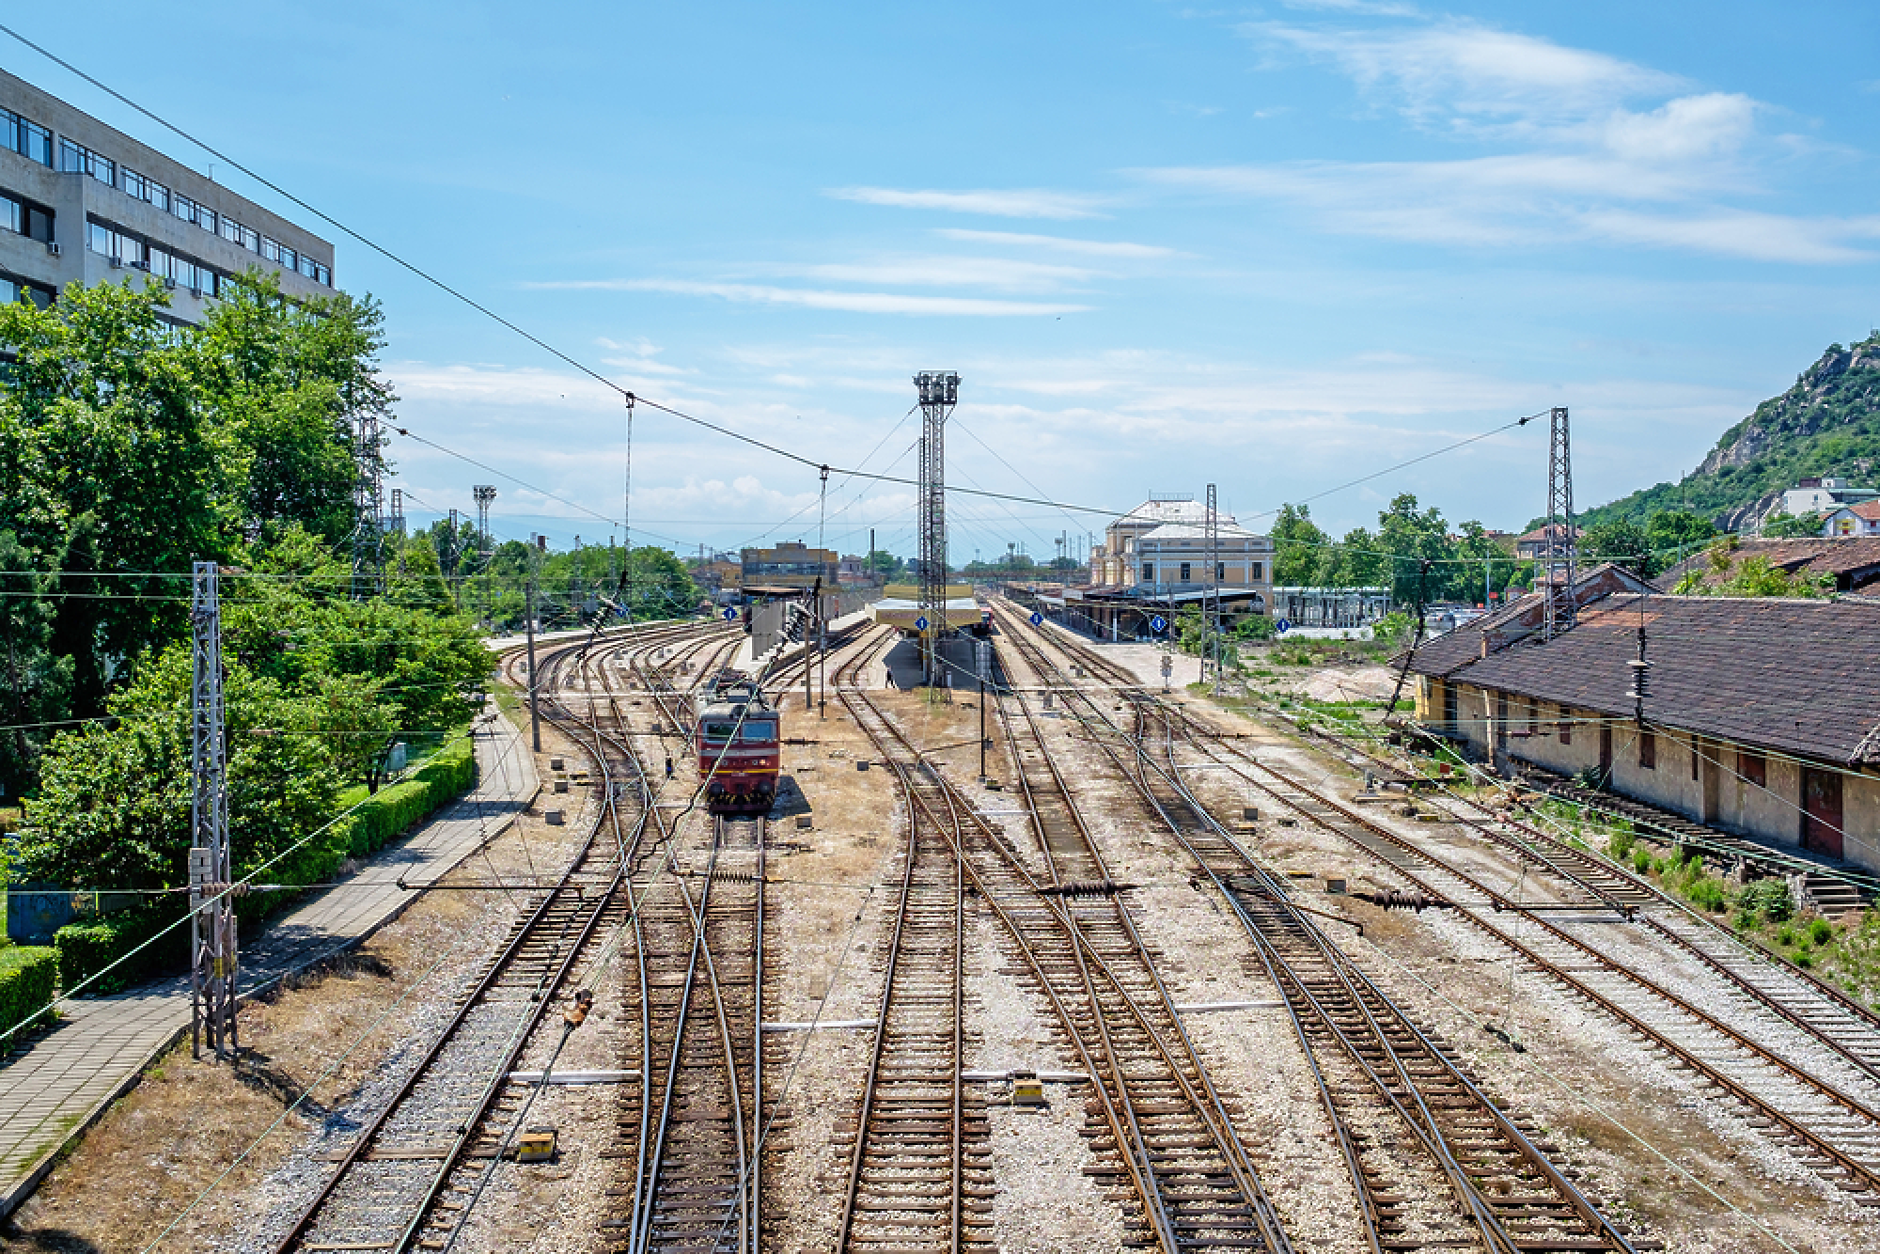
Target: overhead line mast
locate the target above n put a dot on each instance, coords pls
(1560, 543)
(939, 392)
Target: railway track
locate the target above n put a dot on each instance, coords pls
(918, 1175)
(1165, 1139)
(1768, 1064)
(406, 1180)
(1471, 1172)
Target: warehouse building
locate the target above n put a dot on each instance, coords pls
(1762, 716)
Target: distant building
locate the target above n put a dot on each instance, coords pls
(1814, 496)
(791, 564)
(83, 203)
(854, 570)
(1536, 544)
(1851, 521)
(1113, 563)
(1763, 717)
(1173, 559)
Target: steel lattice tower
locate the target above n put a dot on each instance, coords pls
(212, 913)
(368, 504)
(939, 392)
(1561, 544)
(395, 517)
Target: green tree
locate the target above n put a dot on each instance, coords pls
(1299, 547)
(1621, 542)
(1678, 531)
(33, 681)
(1480, 565)
(113, 808)
(1791, 527)
(884, 565)
(1411, 537)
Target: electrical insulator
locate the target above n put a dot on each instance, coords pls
(1641, 670)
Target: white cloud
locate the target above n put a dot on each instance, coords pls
(1737, 233)
(1014, 203)
(1687, 129)
(1470, 77)
(1000, 273)
(1059, 243)
(809, 298)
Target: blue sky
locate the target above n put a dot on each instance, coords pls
(1274, 246)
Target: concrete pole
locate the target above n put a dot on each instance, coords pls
(535, 706)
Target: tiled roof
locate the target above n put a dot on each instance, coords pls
(1854, 561)
(1225, 528)
(1151, 513)
(1870, 510)
(1797, 676)
(1548, 532)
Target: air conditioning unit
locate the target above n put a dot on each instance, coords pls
(196, 292)
(169, 283)
(140, 265)
(117, 263)
(52, 247)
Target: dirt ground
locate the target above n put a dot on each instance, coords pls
(326, 1034)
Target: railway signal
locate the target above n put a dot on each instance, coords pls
(1158, 624)
(1283, 626)
(1037, 619)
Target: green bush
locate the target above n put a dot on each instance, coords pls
(1707, 893)
(1620, 846)
(1642, 860)
(1821, 931)
(27, 974)
(1769, 899)
(448, 774)
(85, 949)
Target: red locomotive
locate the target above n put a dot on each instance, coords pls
(738, 751)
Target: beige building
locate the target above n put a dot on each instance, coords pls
(1762, 716)
(791, 564)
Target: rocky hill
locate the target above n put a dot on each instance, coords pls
(1827, 424)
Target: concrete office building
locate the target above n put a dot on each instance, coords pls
(83, 203)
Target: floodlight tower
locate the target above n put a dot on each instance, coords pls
(485, 493)
(939, 392)
(1559, 542)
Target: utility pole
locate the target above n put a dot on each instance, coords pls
(212, 914)
(939, 393)
(484, 493)
(455, 560)
(1561, 545)
(368, 504)
(535, 707)
(1213, 619)
(984, 650)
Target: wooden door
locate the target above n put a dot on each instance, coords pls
(1821, 811)
(1605, 753)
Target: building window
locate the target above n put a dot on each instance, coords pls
(78, 159)
(145, 189)
(1647, 751)
(1148, 572)
(1753, 767)
(1697, 752)
(1220, 571)
(1186, 568)
(270, 249)
(1255, 572)
(1566, 726)
(30, 140)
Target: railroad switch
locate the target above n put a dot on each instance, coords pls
(1398, 899)
(536, 1145)
(1027, 1089)
(578, 1013)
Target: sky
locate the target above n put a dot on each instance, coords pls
(1274, 247)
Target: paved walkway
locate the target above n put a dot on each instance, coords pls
(66, 1078)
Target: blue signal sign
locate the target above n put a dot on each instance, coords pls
(1158, 623)
(730, 615)
(1283, 626)
(920, 624)
(1037, 619)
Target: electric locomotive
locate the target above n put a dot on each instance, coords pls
(738, 750)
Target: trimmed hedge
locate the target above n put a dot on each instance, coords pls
(447, 775)
(85, 949)
(26, 983)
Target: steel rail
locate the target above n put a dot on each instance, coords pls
(1361, 996)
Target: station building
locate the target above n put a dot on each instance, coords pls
(83, 203)
(791, 564)
(1762, 717)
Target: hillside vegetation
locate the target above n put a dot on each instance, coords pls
(1827, 424)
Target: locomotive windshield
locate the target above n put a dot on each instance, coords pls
(759, 729)
(720, 731)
